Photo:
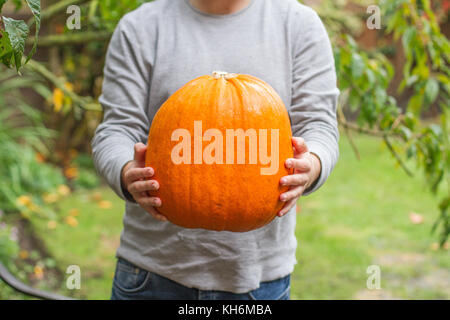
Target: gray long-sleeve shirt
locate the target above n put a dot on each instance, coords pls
(161, 46)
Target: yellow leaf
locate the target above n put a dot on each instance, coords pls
(23, 254)
(104, 204)
(52, 224)
(71, 172)
(74, 212)
(63, 190)
(71, 221)
(434, 246)
(23, 200)
(39, 158)
(50, 198)
(38, 272)
(96, 196)
(69, 86)
(58, 97)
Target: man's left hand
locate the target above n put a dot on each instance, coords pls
(307, 169)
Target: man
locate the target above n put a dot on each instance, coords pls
(153, 52)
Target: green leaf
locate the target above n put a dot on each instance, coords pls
(35, 7)
(357, 65)
(2, 2)
(6, 51)
(415, 104)
(431, 90)
(408, 38)
(17, 31)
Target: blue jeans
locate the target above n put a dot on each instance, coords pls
(134, 283)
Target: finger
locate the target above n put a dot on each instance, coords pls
(142, 186)
(147, 202)
(139, 153)
(292, 193)
(299, 145)
(288, 206)
(294, 180)
(155, 214)
(135, 174)
(301, 164)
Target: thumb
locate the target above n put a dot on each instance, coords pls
(299, 145)
(139, 153)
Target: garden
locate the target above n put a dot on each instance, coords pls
(385, 205)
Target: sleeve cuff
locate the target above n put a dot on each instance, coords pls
(323, 154)
(126, 195)
(116, 183)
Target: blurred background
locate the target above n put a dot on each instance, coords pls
(386, 203)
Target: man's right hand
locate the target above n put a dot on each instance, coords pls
(134, 178)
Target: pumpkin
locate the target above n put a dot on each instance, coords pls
(218, 147)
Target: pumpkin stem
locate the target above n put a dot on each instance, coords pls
(223, 74)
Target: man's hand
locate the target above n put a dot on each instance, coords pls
(134, 179)
(307, 169)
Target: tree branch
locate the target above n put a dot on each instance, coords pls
(356, 128)
(383, 134)
(347, 132)
(72, 39)
(86, 103)
(397, 156)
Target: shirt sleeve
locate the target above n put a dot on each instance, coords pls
(315, 93)
(124, 100)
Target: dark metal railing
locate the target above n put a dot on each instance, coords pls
(18, 285)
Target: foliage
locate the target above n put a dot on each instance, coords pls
(366, 78)
(15, 34)
(24, 179)
(8, 242)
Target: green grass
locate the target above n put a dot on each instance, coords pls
(91, 244)
(358, 218)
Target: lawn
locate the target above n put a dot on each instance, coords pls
(360, 217)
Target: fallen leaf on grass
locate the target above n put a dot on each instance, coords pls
(38, 272)
(23, 200)
(63, 190)
(104, 204)
(96, 196)
(415, 218)
(71, 221)
(71, 172)
(50, 198)
(74, 212)
(52, 224)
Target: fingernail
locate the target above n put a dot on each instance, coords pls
(283, 181)
(289, 163)
(283, 198)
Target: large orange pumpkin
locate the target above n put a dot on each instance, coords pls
(209, 177)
